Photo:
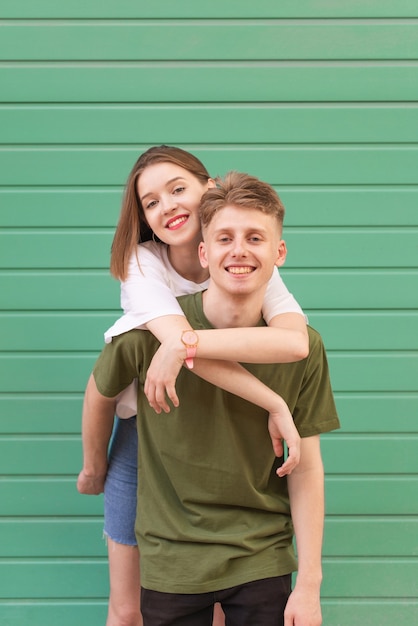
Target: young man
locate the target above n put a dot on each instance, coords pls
(215, 522)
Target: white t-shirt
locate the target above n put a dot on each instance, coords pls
(150, 291)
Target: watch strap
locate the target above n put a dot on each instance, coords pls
(190, 355)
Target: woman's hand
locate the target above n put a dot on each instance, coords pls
(162, 375)
(282, 428)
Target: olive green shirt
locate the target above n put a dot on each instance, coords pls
(212, 513)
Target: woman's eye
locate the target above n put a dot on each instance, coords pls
(179, 189)
(151, 204)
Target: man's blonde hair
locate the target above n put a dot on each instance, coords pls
(240, 190)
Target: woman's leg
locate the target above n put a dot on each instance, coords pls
(120, 512)
(124, 599)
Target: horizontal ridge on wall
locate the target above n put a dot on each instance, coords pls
(193, 40)
(360, 412)
(311, 247)
(344, 536)
(240, 123)
(320, 289)
(209, 81)
(345, 495)
(289, 164)
(306, 206)
(58, 455)
(217, 8)
(56, 331)
(384, 371)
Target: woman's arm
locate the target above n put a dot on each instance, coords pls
(283, 341)
(272, 344)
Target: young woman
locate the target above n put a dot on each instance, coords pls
(160, 210)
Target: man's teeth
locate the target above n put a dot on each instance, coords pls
(240, 270)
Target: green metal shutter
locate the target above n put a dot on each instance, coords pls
(317, 97)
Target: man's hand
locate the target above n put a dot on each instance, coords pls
(282, 427)
(90, 484)
(303, 608)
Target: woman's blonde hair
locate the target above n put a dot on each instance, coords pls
(132, 226)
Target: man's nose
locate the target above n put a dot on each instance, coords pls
(239, 248)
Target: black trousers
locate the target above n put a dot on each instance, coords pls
(258, 603)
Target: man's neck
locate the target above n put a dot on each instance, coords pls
(232, 311)
(185, 261)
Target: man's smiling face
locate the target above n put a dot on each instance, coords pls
(240, 248)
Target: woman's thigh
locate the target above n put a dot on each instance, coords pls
(120, 491)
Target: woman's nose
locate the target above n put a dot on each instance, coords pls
(168, 204)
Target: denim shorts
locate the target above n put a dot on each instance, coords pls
(121, 483)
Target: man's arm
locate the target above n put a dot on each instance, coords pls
(306, 492)
(97, 425)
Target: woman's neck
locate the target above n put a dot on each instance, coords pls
(185, 260)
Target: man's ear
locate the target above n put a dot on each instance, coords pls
(281, 253)
(202, 255)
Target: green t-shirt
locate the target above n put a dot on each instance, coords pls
(212, 512)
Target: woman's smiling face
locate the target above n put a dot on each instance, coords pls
(170, 197)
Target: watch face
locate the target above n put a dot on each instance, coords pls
(189, 337)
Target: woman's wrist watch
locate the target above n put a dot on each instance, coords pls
(190, 339)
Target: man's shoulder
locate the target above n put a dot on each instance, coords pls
(186, 297)
(133, 337)
(315, 339)
(191, 302)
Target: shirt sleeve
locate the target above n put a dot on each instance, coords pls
(145, 295)
(117, 365)
(315, 411)
(278, 299)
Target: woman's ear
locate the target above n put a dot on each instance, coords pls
(211, 183)
(202, 255)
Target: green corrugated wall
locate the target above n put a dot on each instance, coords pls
(320, 99)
